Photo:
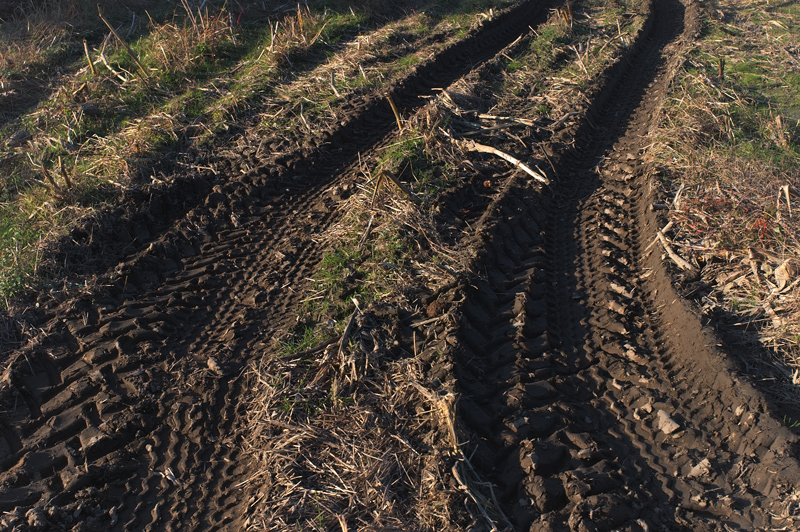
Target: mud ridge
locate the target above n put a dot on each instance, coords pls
(121, 414)
(591, 401)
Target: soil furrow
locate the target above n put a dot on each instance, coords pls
(570, 380)
(152, 372)
(206, 197)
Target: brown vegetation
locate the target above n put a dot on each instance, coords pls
(729, 158)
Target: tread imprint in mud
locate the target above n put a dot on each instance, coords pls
(579, 407)
(580, 410)
(137, 391)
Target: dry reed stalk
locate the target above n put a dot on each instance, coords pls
(123, 43)
(190, 14)
(485, 130)
(64, 174)
(396, 113)
(88, 58)
(521, 121)
(474, 146)
(682, 263)
(333, 85)
(55, 188)
(105, 61)
(407, 191)
(580, 59)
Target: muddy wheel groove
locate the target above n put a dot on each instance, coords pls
(590, 420)
(76, 395)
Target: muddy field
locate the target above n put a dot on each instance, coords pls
(587, 394)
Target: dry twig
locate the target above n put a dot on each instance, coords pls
(474, 146)
(396, 113)
(88, 57)
(682, 263)
(413, 197)
(123, 43)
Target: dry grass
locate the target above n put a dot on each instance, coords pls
(75, 136)
(729, 154)
(203, 71)
(349, 440)
(555, 74)
(386, 245)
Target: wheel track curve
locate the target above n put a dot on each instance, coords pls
(114, 393)
(583, 409)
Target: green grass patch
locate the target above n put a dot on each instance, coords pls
(546, 48)
(407, 61)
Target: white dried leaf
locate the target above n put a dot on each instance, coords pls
(786, 273)
(666, 424)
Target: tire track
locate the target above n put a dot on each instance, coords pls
(116, 394)
(583, 412)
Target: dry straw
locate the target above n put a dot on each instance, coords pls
(345, 439)
(732, 220)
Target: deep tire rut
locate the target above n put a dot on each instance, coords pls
(591, 402)
(139, 394)
(578, 403)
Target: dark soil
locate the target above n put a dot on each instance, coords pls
(590, 396)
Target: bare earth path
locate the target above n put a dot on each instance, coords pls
(129, 404)
(594, 399)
